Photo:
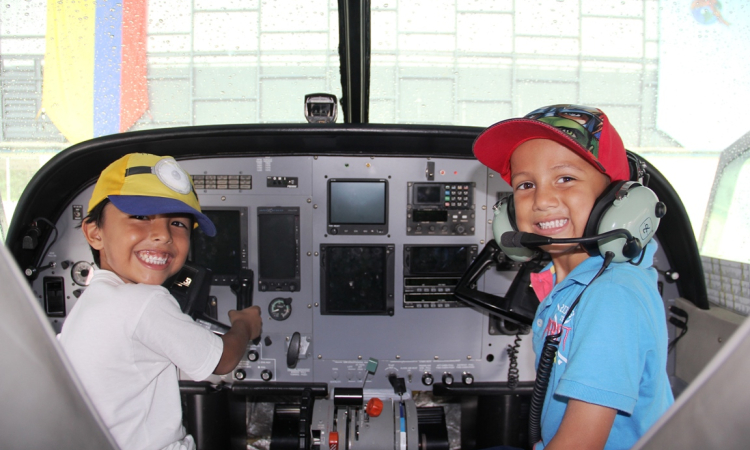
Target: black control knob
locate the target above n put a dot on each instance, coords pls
(427, 379)
(460, 229)
(253, 355)
(334, 231)
(660, 210)
(467, 378)
(292, 353)
(266, 375)
(240, 374)
(447, 379)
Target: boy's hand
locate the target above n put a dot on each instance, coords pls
(249, 318)
(246, 326)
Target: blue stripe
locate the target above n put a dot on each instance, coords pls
(107, 66)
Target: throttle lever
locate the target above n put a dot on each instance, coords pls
(243, 289)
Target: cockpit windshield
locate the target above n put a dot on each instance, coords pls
(671, 74)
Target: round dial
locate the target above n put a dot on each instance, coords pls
(81, 272)
(280, 308)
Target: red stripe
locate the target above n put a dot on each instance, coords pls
(134, 87)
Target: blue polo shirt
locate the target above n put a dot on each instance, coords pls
(613, 349)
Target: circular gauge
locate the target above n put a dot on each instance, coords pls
(280, 308)
(81, 272)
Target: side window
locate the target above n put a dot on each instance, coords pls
(726, 230)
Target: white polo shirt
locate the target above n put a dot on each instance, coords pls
(126, 342)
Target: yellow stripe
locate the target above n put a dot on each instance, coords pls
(67, 93)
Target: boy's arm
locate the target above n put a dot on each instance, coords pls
(246, 326)
(585, 426)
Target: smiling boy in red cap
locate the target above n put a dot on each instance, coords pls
(608, 382)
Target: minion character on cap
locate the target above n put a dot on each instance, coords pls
(144, 184)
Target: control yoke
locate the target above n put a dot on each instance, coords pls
(519, 304)
(190, 287)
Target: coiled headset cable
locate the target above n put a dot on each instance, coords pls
(546, 362)
(512, 350)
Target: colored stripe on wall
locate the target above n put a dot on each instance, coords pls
(107, 63)
(134, 90)
(67, 96)
(95, 66)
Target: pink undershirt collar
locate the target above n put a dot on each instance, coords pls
(543, 283)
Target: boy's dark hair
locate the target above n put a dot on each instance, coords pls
(97, 216)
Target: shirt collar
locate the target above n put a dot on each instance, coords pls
(107, 276)
(544, 282)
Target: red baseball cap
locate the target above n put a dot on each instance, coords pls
(583, 129)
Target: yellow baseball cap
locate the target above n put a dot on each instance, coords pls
(144, 184)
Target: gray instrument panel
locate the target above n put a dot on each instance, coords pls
(436, 339)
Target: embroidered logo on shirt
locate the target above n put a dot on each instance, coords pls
(554, 326)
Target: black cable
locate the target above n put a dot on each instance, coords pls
(672, 344)
(513, 362)
(546, 362)
(49, 246)
(643, 253)
(679, 322)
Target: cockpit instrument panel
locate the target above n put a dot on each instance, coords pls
(358, 260)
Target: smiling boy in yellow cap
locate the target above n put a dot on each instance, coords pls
(126, 335)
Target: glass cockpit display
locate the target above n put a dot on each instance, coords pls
(226, 253)
(431, 273)
(357, 279)
(357, 206)
(278, 249)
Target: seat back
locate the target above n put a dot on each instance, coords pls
(713, 411)
(43, 404)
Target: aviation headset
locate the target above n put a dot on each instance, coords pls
(624, 205)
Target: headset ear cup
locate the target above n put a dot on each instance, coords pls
(601, 205)
(512, 212)
(638, 212)
(504, 221)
